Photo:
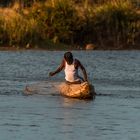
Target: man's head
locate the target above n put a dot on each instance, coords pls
(68, 57)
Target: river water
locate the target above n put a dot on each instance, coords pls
(113, 114)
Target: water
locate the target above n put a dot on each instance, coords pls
(114, 114)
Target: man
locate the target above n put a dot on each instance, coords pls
(71, 66)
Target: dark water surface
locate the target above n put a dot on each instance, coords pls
(114, 114)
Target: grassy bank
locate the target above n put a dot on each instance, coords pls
(59, 24)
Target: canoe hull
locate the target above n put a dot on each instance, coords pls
(80, 91)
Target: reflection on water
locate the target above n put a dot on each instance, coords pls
(113, 114)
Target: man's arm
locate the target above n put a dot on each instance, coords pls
(83, 70)
(62, 65)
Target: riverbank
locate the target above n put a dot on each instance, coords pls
(66, 47)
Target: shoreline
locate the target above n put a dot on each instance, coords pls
(66, 49)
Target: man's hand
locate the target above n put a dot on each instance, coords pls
(51, 74)
(86, 80)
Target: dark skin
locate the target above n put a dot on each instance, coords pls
(77, 65)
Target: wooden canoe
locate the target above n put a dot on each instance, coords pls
(80, 91)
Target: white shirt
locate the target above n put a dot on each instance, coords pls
(71, 73)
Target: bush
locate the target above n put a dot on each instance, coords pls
(18, 30)
(62, 21)
(114, 23)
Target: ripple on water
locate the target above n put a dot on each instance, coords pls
(114, 114)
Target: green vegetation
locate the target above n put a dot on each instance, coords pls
(113, 24)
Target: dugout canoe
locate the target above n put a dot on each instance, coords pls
(80, 91)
